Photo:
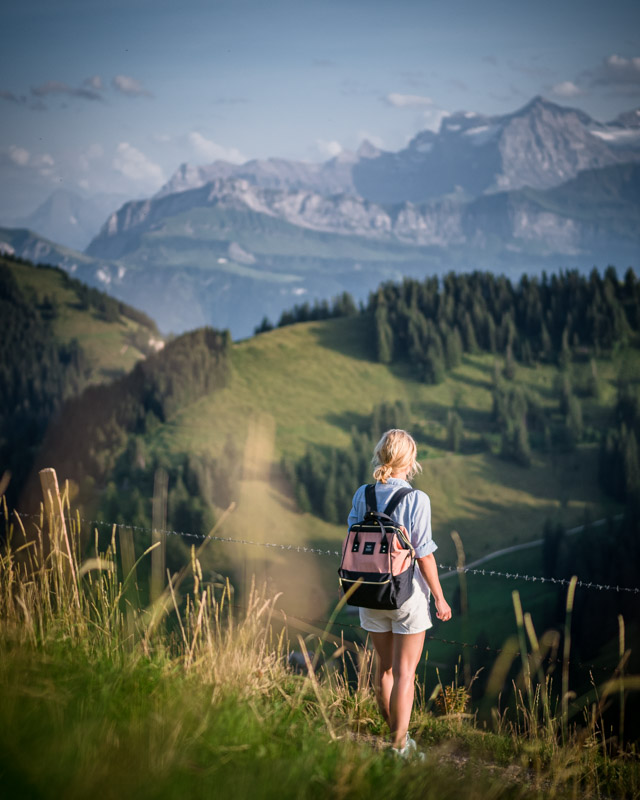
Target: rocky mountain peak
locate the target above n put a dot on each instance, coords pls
(368, 150)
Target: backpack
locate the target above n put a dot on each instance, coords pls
(377, 557)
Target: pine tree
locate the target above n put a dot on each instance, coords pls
(521, 446)
(594, 385)
(573, 421)
(455, 430)
(509, 370)
(384, 335)
(453, 348)
(469, 335)
(435, 371)
(564, 359)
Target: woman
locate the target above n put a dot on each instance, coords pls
(398, 635)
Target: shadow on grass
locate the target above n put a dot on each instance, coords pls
(351, 336)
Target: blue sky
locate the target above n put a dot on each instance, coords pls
(113, 96)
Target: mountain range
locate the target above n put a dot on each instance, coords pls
(545, 187)
(541, 145)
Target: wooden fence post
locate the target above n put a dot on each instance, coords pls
(55, 515)
(128, 561)
(159, 514)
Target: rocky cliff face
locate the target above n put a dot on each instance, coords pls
(541, 145)
(440, 223)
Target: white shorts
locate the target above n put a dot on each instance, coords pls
(411, 617)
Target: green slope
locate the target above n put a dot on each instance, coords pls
(308, 384)
(112, 344)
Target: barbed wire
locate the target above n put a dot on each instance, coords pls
(320, 551)
(450, 570)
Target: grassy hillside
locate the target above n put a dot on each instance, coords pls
(310, 382)
(112, 345)
(199, 699)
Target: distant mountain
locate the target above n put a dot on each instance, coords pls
(541, 145)
(331, 177)
(543, 188)
(70, 218)
(27, 244)
(225, 210)
(230, 252)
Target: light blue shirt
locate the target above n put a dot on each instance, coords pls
(414, 512)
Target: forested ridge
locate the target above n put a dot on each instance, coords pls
(93, 440)
(558, 320)
(432, 322)
(52, 414)
(37, 373)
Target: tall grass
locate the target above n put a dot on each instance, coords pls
(189, 696)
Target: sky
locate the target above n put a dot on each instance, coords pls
(111, 96)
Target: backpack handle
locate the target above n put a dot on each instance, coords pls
(372, 505)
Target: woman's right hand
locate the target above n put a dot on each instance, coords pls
(443, 610)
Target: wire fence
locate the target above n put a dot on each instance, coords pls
(337, 554)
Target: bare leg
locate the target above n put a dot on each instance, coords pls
(407, 650)
(397, 659)
(383, 680)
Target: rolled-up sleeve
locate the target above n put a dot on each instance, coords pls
(357, 508)
(421, 536)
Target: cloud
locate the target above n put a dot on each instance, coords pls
(19, 155)
(407, 100)
(11, 97)
(44, 164)
(432, 119)
(230, 101)
(45, 160)
(133, 164)
(95, 151)
(323, 63)
(490, 60)
(95, 82)
(57, 87)
(129, 86)
(567, 89)
(617, 71)
(376, 141)
(328, 149)
(205, 148)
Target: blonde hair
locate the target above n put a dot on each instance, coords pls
(395, 452)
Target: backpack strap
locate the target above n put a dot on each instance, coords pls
(370, 497)
(402, 492)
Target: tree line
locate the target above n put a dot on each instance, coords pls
(341, 306)
(546, 319)
(93, 427)
(37, 373)
(433, 322)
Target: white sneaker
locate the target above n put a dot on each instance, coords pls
(409, 751)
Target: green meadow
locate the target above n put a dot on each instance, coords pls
(191, 697)
(112, 347)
